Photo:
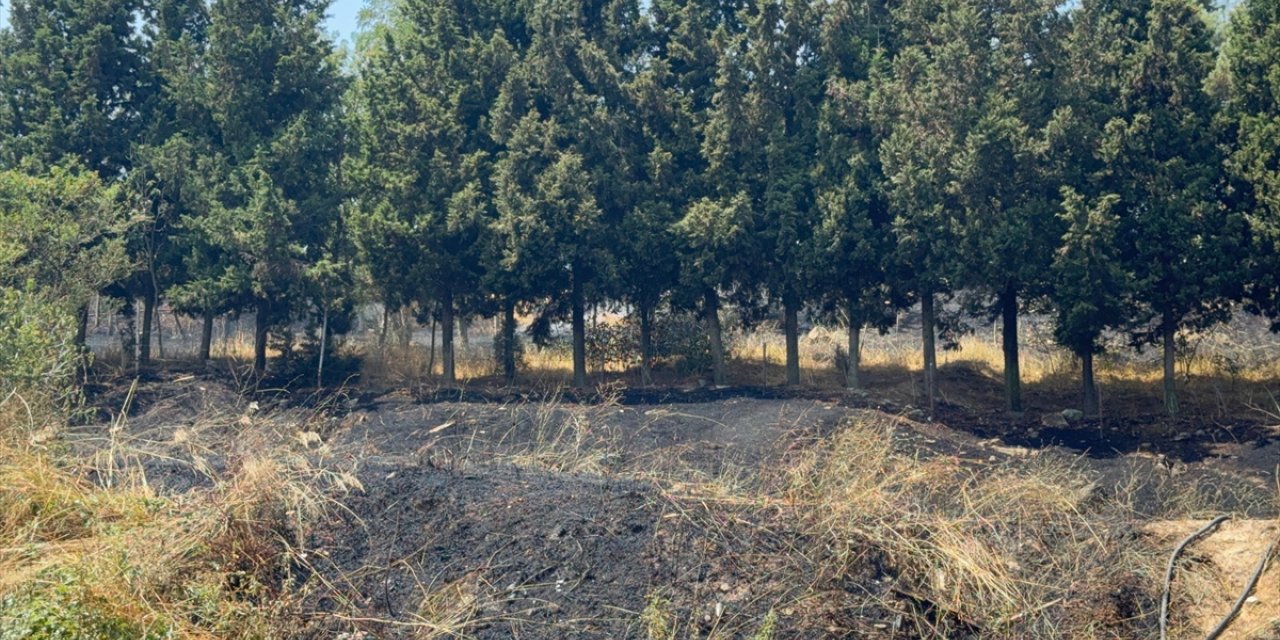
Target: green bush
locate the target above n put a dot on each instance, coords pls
(58, 607)
(39, 359)
(679, 341)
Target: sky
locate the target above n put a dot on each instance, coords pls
(343, 15)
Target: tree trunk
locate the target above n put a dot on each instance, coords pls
(927, 323)
(1009, 343)
(144, 342)
(431, 347)
(446, 338)
(1091, 408)
(206, 336)
(386, 322)
(853, 376)
(405, 327)
(324, 347)
(159, 329)
(128, 337)
(711, 312)
(82, 325)
(579, 332)
(464, 330)
(791, 329)
(177, 324)
(508, 349)
(1169, 330)
(261, 323)
(646, 344)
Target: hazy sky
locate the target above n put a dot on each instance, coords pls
(343, 15)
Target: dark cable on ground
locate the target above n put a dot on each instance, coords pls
(1244, 596)
(1168, 574)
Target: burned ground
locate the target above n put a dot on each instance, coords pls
(633, 514)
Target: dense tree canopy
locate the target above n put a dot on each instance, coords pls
(1110, 165)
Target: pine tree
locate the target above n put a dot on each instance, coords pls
(1004, 183)
(784, 88)
(424, 160)
(717, 232)
(923, 103)
(176, 130)
(853, 236)
(674, 93)
(1162, 153)
(1252, 117)
(70, 79)
(274, 88)
(560, 113)
(1090, 286)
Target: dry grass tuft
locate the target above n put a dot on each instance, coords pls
(84, 557)
(1009, 550)
(567, 439)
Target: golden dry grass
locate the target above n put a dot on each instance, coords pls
(1002, 547)
(117, 559)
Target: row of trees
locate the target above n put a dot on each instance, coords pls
(1114, 164)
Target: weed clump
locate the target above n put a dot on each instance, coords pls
(989, 548)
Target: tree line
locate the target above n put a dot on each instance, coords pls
(1112, 164)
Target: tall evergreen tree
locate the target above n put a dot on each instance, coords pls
(1252, 113)
(1005, 185)
(70, 81)
(853, 236)
(1090, 291)
(274, 89)
(176, 131)
(717, 231)
(425, 155)
(1090, 285)
(562, 182)
(674, 93)
(785, 81)
(925, 100)
(1163, 154)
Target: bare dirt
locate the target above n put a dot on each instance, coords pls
(1213, 572)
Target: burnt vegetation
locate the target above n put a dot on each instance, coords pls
(656, 319)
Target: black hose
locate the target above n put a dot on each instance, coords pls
(1244, 596)
(1168, 574)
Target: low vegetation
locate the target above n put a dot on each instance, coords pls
(787, 309)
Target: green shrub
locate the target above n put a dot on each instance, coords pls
(39, 359)
(58, 607)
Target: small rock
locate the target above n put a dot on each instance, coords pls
(1054, 421)
(1252, 600)
(1072, 415)
(724, 586)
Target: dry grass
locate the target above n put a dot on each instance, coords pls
(1016, 551)
(568, 441)
(90, 558)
